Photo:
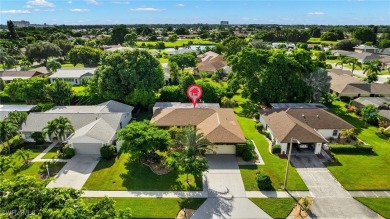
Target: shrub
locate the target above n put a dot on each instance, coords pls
(107, 152)
(240, 148)
(328, 66)
(259, 126)
(69, 152)
(38, 137)
(276, 149)
(263, 181)
(331, 57)
(352, 149)
(247, 155)
(42, 107)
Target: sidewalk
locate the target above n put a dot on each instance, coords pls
(40, 159)
(286, 194)
(146, 194)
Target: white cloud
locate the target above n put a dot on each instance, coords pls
(317, 13)
(120, 3)
(15, 12)
(78, 10)
(180, 5)
(93, 2)
(145, 9)
(39, 9)
(70, 2)
(40, 3)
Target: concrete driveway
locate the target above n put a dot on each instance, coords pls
(76, 172)
(226, 192)
(331, 200)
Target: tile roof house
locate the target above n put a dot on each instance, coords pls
(310, 126)
(378, 102)
(349, 86)
(210, 62)
(73, 76)
(8, 76)
(95, 126)
(364, 48)
(219, 126)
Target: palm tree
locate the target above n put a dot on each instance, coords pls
(17, 117)
(53, 65)
(23, 154)
(354, 62)
(192, 141)
(58, 127)
(348, 134)
(371, 68)
(8, 130)
(342, 61)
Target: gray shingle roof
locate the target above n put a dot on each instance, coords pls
(73, 72)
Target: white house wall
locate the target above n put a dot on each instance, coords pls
(283, 148)
(328, 133)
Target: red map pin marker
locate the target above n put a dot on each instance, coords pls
(194, 92)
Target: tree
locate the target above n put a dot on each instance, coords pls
(232, 45)
(348, 134)
(371, 69)
(265, 74)
(319, 81)
(41, 51)
(65, 46)
(85, 55)
(171, 94)
(6, 59)
(328, 98)
(172, 37)
(143, 139)
(141, 97)
(131, 38)
(316, 33)
(5, 164)
(31, 90)
(347, 44)
(118, 34)
(17, 117)
(53, 65)
(342, 62)
(183, 60)
(371, 78)
(23, 154)
(370, 114)
(2, 84)
(191, 140)
(364, 34)
(329, 36)
(11, 29)
(121, 72)
(29, 195)
(263, 181)
(321, 56)
(174, 73)
(7, 131)
(186, 80)
(58, 127)
(187, 164)
(354, 62)
(60, 92)
(24, 64)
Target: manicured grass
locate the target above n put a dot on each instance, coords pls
(384, 72)
(33, 169)
(69, 65)
(275, 207)
(153, 207)
(163, 60)
(127, 174)
(379, 205)
(78, 89)
(52, 154)
(362, 171)
(319, 41)
(178, 43)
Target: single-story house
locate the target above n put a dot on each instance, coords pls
(364, 48)
(5, 109)
(385, 114)
(385, 62)
(210, 62)
(73, 76)
(8, 76)
(181, 51)
(340, 71)
(42, 70)
(311, 127)
(297, 105)
(219, 126)
(378, 102)
(362, 56)
(179, 105)
(348, 86)
(95, 126)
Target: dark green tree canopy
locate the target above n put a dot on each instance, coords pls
(41, 51)
(364, 34)
(121, 72)
(183, 60)
(119, 33)
(85, 55)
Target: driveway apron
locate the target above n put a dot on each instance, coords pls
(331, 200)
(76, 172)
(226, 192)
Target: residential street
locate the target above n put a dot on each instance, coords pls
(331, 200)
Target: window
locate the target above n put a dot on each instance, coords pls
(335, 132)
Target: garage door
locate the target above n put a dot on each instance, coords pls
(223, 149)
(87, 148)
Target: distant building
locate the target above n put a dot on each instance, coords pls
(224, 22)
(73, 76)
(21, 23)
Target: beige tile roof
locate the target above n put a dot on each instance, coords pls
(218, 125)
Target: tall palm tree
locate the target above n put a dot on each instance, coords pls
(58, 127)
(192, 141)
(8, 130)
(23, 154)
(343, 60)
(53, 65)
(354, 62)
(371, 68)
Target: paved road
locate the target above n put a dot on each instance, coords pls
(76, 172)
(331, 200)
(226, 192)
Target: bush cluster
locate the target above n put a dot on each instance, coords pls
(263, 181)
(107, 151)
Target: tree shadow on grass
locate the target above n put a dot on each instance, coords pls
(140, 178)
(191, 203)
(104, 164)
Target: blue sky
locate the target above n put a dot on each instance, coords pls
(331, 12)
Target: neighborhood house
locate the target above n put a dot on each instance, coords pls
(8, 76)
(95, 126)
(311, 127)
(73, 76)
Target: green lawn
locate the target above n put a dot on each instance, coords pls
(275, 207)
(362, 171)
(52, 154)
(78, 89)
(384, 72)
(319, 41)
(33, 169)
(163, 60)
(69, 65)
(178, 43)
(379, 205)
(274, 166)
(154, 207)
(127, 174)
